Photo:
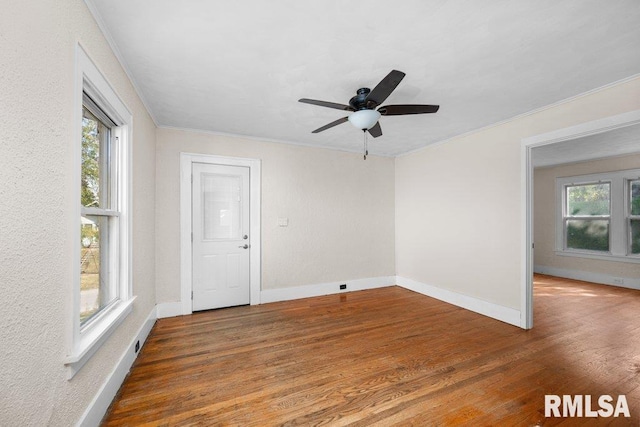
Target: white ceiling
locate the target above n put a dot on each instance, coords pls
(617, 142)
(240, 66)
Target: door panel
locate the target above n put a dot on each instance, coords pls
(234, 270)
(220, 196)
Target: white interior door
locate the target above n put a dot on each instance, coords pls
(220, 197)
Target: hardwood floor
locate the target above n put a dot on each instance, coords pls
(386, 357)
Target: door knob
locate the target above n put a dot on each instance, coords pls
(245, 246)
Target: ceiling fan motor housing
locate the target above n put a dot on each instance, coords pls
(359, 102)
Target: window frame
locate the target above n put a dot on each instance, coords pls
(566, 216)
(619, 222)
(109, 206)
(628, 215)
(84, 340)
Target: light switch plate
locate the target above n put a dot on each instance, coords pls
(283, 222)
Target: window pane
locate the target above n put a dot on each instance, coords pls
(221, 206)
(635, 197)
(591, 234)
(96, 289)
(589, 199)
(635, 236)
(95, 167)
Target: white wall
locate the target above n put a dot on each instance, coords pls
(458, 204)
(38, 41)
(340, 211)
(545, 218)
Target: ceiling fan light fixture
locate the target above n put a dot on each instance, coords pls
(364, 119)
(364, 115)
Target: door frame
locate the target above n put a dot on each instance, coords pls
(186, 226)
(526, 156)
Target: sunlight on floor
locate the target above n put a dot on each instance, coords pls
(543, 287)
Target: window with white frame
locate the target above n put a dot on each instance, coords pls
(100, 213)
(102, 292)
(634, 216)
(599, 216)
(587, 217)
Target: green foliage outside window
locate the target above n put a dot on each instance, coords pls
(590, 235)
(635, 223)
(635, 236)
(635, 198)
(90, 178)
(588, 200)
(91, 275)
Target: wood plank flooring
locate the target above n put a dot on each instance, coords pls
(386, 357)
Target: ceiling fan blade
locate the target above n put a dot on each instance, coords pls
(326, 104)
(376, 130)
(399, 110)
(332, 124)
(385, 87)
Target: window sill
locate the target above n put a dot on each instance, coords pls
(93, 338)
(603, 257)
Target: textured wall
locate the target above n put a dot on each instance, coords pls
(38, 41)
(458, 216)
(340, 211)
(545, 217)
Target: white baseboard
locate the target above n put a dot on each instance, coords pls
(495, 311)
(307, 291)
(169, 309)
(100, 403)
(604, 279)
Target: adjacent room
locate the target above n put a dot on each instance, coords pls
(586, 207)
(304, 213)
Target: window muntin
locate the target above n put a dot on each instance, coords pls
(99, 208)
(587, 216)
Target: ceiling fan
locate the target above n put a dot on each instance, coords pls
(366, 107)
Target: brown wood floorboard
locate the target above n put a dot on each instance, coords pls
(385, 357)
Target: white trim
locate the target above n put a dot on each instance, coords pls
(586, 276)
(526, 188)
(320, 289)
(103, 398)
(593, 127)
(90, 341)
(116, 51)
(495, 311)
(526, 251)
(169, 309)
(89, 78)
(84, 341)
(254, 165)
(528, 113)
(634, 259)
(273, 140)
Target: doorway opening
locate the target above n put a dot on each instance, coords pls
(549, 141)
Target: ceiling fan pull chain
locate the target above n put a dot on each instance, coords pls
(366, 150)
